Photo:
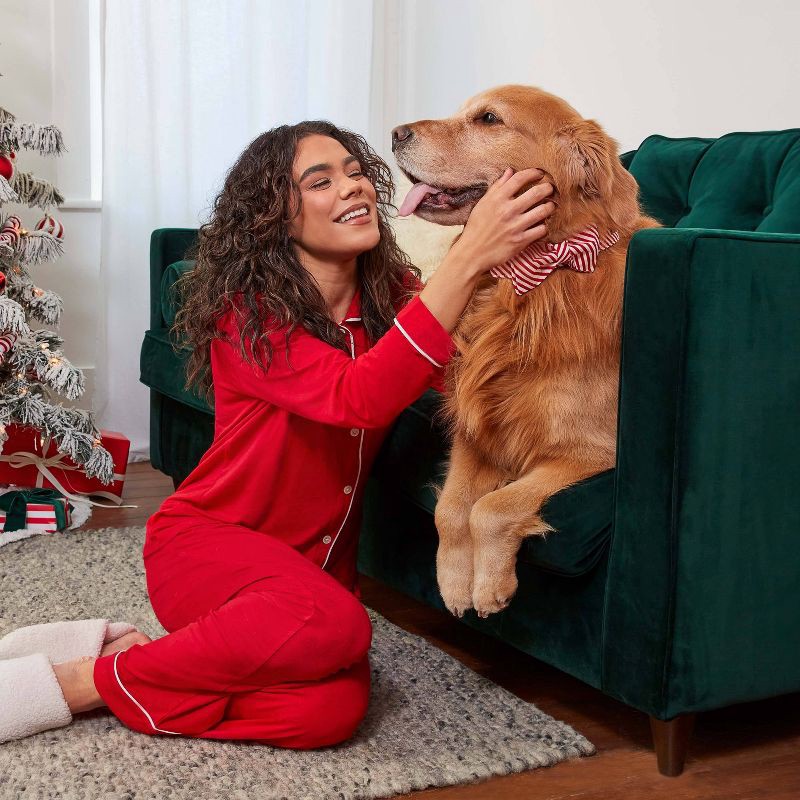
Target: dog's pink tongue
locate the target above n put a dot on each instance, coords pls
(417, 193)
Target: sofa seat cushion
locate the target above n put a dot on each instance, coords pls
(581, 515)
(164, 370)
(414, 460)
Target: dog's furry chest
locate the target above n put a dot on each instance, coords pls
(519, 402)
(515, 421)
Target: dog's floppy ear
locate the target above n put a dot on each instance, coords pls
(585, 154)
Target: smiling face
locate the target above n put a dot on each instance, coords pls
(338, 217)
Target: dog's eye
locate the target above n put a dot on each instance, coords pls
(489, 118)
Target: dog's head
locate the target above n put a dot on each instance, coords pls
(452, 161)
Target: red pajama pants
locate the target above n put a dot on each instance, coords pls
(262, 644)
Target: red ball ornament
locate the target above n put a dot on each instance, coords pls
(6, 167)
(51, 225)
(2, 282)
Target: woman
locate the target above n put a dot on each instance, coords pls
(311, 332)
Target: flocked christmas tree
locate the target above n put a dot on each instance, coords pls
(33, 367)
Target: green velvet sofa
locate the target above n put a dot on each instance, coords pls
(673, 582)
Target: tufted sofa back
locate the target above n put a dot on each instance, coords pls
(741, 181)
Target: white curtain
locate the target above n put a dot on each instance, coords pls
(187, 85)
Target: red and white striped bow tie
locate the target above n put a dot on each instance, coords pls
(530, 267)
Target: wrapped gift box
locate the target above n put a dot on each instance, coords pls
(40, 513)
(30, 458)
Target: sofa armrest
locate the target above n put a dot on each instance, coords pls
(167, 245)
(701, 607)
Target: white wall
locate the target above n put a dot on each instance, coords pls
(682, 68)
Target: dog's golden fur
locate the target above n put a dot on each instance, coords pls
(532, 392)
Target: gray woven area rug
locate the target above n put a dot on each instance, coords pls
(432, 721)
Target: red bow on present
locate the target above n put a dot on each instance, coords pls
(530, 267)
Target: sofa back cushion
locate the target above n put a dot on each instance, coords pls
(169, 304)
(741, 181)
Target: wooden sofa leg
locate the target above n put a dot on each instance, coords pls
(671, 741)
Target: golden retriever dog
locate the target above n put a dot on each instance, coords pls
(531, 404)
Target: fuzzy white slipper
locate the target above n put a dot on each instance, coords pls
(63, 641)
(31, 699)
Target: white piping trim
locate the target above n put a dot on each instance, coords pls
(352, 497)
(352, 319)
(358, 475)
(416, 346)
(352, 341)
(140, 706)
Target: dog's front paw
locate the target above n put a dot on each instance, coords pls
(493, 593)
(454, 574)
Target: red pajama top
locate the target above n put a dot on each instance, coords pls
(292, 448)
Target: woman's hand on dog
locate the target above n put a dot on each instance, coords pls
(506, 219)
(501, 225)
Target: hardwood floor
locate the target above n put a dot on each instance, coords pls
(743, 752)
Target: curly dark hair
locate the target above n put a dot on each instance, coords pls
(245, 250)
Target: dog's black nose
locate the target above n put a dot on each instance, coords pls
(400, 134)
